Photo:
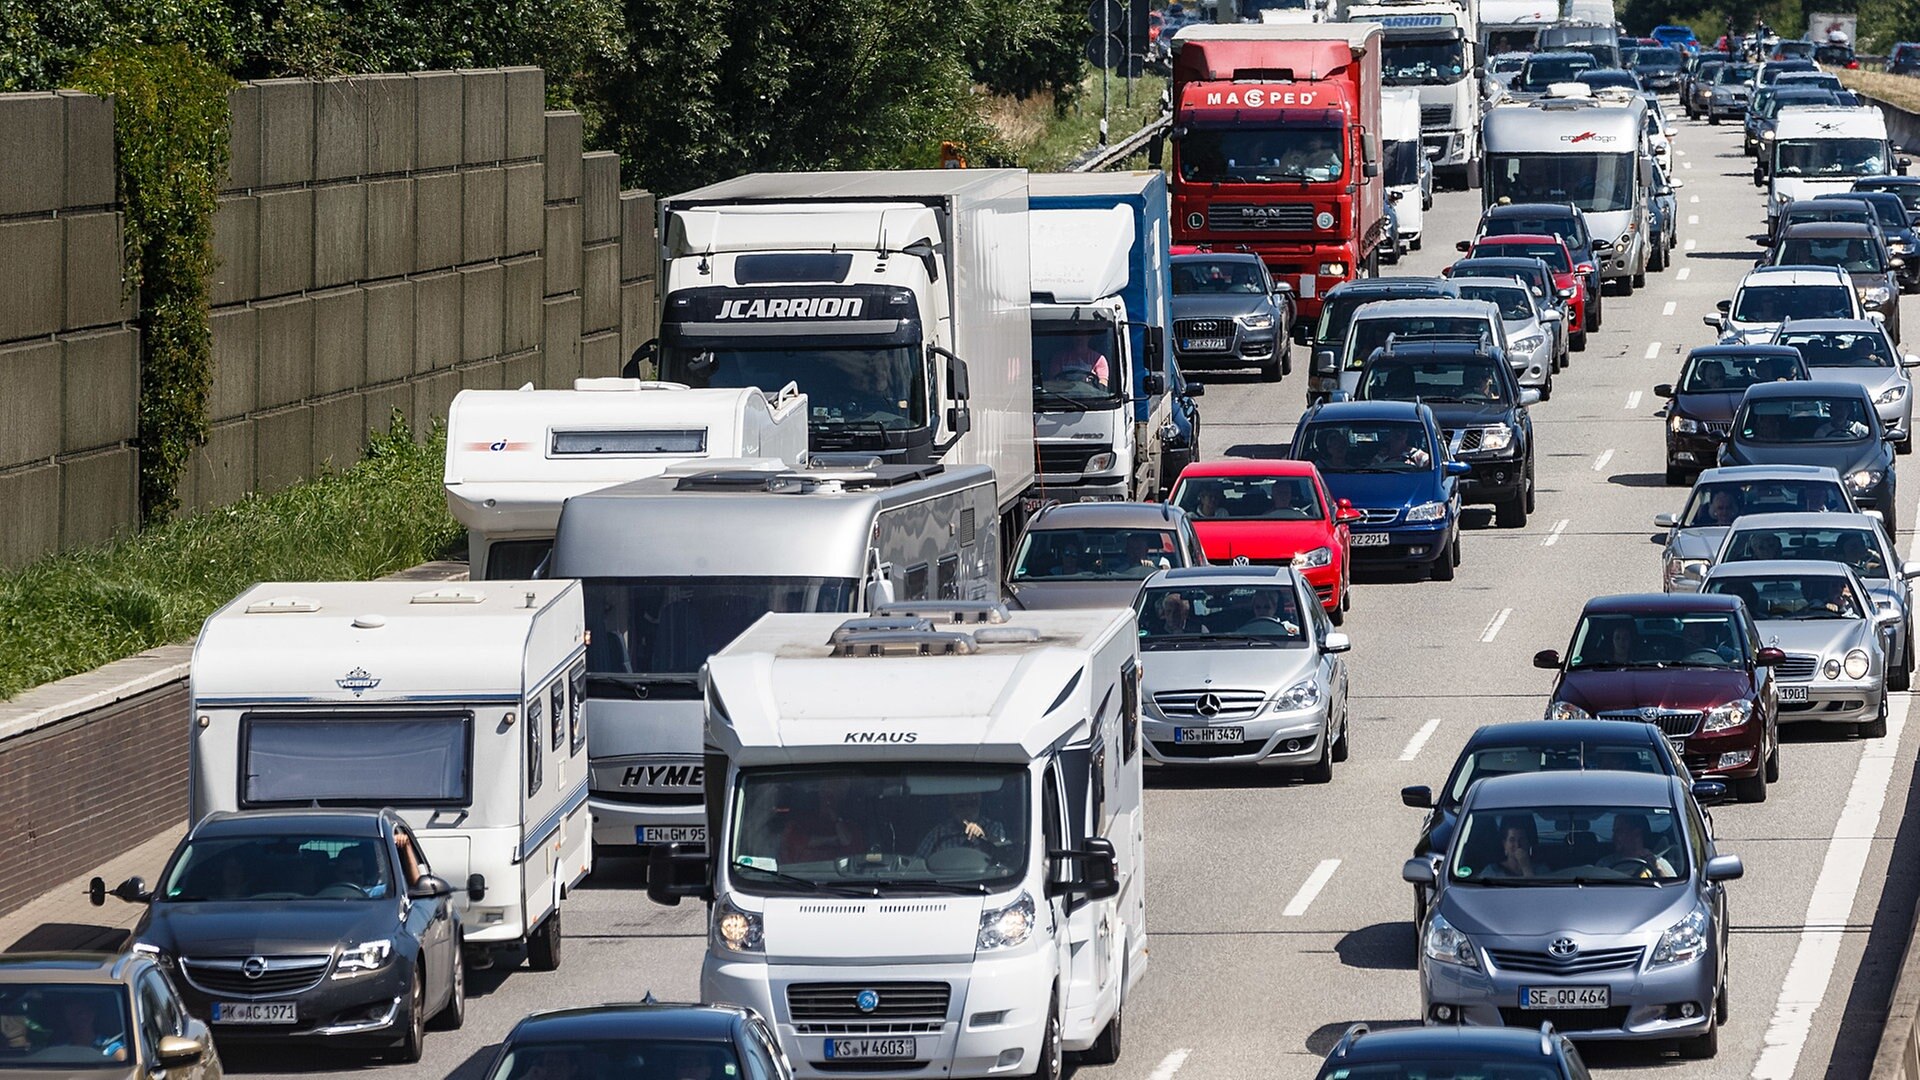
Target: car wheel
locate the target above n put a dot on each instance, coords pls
(1532, 488)
(413, 1042)
(1052, 1063)
(1578, 340)
(1419, 914)
(1875, 728)
(1337, 616)
(1904, 446)
(1751, 789)
(1713, 120)
(543, 947)
(1270, 371)
(1427, 204)
(1901, 677)
(1346, 593)
(1676, 477)
(1443, 566)
(453, 1016)
(1106, 1046)
(1773, 765)
(1512, 514)
(1321, 772)
(1720, 1002)
(1640, 278)
(1285, 345)
(1546, 388)
(1341, 746)
(1703, 1047)
(1658, 260)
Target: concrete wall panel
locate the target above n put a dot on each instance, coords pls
(600, 196)
(243, 138)
(524, 280)
(236, 246)
(432, 397)
(390, 228)
(437, 221)
(600, 355)
(33, 168)
(561, 349)
(390, 123)
(102, 391)
(383, 401)
(486, 116)
(522, 370)
(282, 448)
(285, 336)
(637, 314)
(526, 208)
(95, 293)
(600, 287)
(286, 131)
(221, 472)
(389, 331)
(563, 249)
(29, 426)
(339, 340)
(526, 112)
(639, 252)
(339, 430)
(90, 163)
(29, 265)
(235, 363)
(483, 222)
(438, 121)
(564, 134)
(99, 498)
(286, 241)
(340, 130)
(339, 234)
(436, 322)
(32, 499)
(482, 309)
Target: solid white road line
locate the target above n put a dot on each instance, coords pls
(1601, 461)
(1314, 883)
(1419, 739)
(1668, 309)
(1169, 1065)
(1684, 272)
(1633, 399)
(1653, 350)
(1494, 624)
(1553, 537)
(1693, 219)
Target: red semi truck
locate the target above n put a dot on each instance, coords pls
(1276, 150)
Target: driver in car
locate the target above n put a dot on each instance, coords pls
(1267, 617)
(1722, 508)
(1630, 847)
(1702, 639)
(964, 826)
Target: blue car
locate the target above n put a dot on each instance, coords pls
(1533, 1053)
(1391, 460)
(1677, 37)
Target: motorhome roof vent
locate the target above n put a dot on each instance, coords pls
(850, 460)
(905, 643)
(283, 605)
(616, 384)
(369, 622)
(449, 594)
(961, 612)
(1006, 635)
(855, 627)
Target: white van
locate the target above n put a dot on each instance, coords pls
(931, 848)
(458, 705)
(1820, 149)
(514, 456)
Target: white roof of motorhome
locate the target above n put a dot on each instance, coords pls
(1565, 126)
(1830, 122)
(787, 697)
(376, 641)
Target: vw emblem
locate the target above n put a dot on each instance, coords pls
(1208, 705)
(867, 1000)
(1240, 560)
(1563, 949)
(253, 967)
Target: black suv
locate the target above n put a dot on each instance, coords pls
(1482, 414)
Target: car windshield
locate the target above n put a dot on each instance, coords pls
(1854, 254)
(654, 629)
(1830, 157)
(594, 1058)
(1798, 596)
(1567, 845)
(1733, 73)
(1414, 63)
(1602, 77)
(1243, 155)
(1566, 229)
(1508, 64)
(56, 1028)
(1217, 277)
(1852, 214)
(1095, 554)
(1775, 303)
(1556, 756)
(1336, 314)
(1909, 194)
(1888, 211)
(1804, 420)
(274, 868)
(1366, 446)
(1412, 1066)
(1075, 361)
(1515, 302)
(1717, 373)
(1723, 502)
(877, 388)
(1534, 275)
(1554, 255)
(1857, 548)
(1801, 79)
(1707, 639)
(1372, 332)
(1595, 183)
(1538, 74)
(1193, 614)
(1249, 498)
(1841, 348)
(878, 828)
(1464, 380)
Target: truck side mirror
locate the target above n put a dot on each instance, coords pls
(1097, 876)
(1156, 152)
(1370, 169)
(1153, 383)
(959, 420)
(1156, 349)
(674, 871)
(647, 353)
(957, 385)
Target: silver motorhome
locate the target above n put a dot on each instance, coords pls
(1589, 154)
(676, 566)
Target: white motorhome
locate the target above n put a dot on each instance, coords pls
(1817, 149)
(1433, 48)
(932, 855)
(1587, 153)
(1405, 160)
(458, 705)
(676, 566)
(513, 456)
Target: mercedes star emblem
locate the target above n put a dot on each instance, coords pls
(1208, 705)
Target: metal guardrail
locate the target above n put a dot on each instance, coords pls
(1106, 157)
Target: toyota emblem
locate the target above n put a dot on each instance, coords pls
(1208, 705)
(867, 1000)
(253, 967)
(1563, 949)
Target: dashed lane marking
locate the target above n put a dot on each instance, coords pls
(1316, 881)
(1601, 461)
(1633, 399)
(1419, 739)
(1684, 272)
(1169, 1065)
(1653, 350)
(1668, 308)
(1494, 624)
(1553, 535)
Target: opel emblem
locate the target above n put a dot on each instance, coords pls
(253, 967)
(1563, 949)
(867, 1000)
(1208, 705)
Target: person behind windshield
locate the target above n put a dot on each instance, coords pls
(1704, 642)
(1267, 616)
(1843, 422)
(548, 1065)
(1722, 508)
(1710, 377)
(690, 1064)
(1630, 847)
(1176, 616)
(353, 868)
(964, 826)
(1764, 546)
(1314, 155)
(77, 1026)
(1483, 386)
(1517, 841)
(1071, 564)
(1079, 359)
(1828, 596)
(1855, 553)
(1138, 555)
(1616, 647)
(861, 389)
(1207, 502)
(1397, 448)
(1820, 499)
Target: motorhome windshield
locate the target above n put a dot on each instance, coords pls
(1402, 161)
(270, 869)
(329, 758)
(847, 385)
(1250, 155)
(882, 828)
(1830, 157)
(1075, 364)
(1595, 183)
(656, 632)
(1423, 63)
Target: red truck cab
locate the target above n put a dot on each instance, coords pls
(1276, 149)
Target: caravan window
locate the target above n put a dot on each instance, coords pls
(917, 582)
(394, 760)
(577, 731)
(557, 707)
(516, 560)
(535, 759)
(949, 577)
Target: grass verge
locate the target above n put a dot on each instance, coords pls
(72, 612)
(1899, 91)
(1044, 140)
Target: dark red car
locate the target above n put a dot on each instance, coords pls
(1549, 249)
(1691, 664)
(1274, 512)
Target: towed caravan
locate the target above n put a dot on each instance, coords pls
(457, 705)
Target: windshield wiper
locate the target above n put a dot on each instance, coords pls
(807, 884)
(1655, 882)
(1291, 174)
(1506, 882)
(958, 888)
(1056, 397)
(1256, 639)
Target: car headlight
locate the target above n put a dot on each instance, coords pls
(1259, 320)
(1529, 343)
(1567, 710)
(366, 956)
(1003, 928)
(1685, 940)
(1730, 715)
(1875, 294)
(1678, 568)
(1497, 437)
(1856, 664)
(1308, 560)
(1890, 395)
(1447, 945)
(1831, 669)
(1863, 479)
(1683, 425)
(1427, 511)
(1100, 462)
(1304, 694)
(735, 930)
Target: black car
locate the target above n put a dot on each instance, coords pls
(306, 923)
(1541, 1054)
(1713, 378)
(1836, 55)
(1553, 219)
(647, 1039)
(1858, 251)
(1896, 226)
(1907, 187)
(1336, 314)
(1818, 423)
(1482, 413)
(1229, 312)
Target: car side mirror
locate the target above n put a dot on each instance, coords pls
(1876, 316)
(1886, 611)
(133, 891)
(1909, 361)
(1603, 245)
(1457, 468)
(1284, 288)
(1665, 521)
(1725, 868)
(1908, 571)
(1713, 321)
(429, 887)
(1896, 261)
(1153, 383)
(178, 1050)
(675, 871)
(1723, 306)
(1339, 395)
(1420, 870)
(1770, 656)
(1346, 513)
(1553, 314)
(1900, 165)
(1096, 875)
(1529, 397)
(476, 887)
(1394, 196)
(1676, 184)
(1664, 390)
(1419, 796)
(1709, 792)
(1564, 294)
(1323, 362)
(1547, 659)
(1463, 245)
(1336, 642)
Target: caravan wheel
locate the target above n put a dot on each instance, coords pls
(543, 947)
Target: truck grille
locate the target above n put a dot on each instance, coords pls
(1670, 721)
(1796, 667)
(278, 975)
(838, 1003)
(1225, 705)
(1436, 116)
(1071, 458)
(1291, 217)
(1586, 963)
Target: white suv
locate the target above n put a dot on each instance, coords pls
(1770, 295)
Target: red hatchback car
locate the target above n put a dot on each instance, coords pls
(1550, 249)
(1273, 513)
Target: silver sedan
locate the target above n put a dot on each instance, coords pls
(1822, 616)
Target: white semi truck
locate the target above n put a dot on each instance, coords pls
(1433, 46)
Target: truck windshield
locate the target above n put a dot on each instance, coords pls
(663, 629)
(1830, 157)
(1249, 155)
(1402, 160)
(1095, 554)
(234, 869)
(847, 385)
(1595, 183)
(880, 828)
(1075, 364)
(1423, 63)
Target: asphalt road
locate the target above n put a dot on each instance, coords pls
(1241, 985)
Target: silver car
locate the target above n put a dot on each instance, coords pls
(1836, 645)
(1721, 495)
(1593, 900)
(1860, 351)
(1243, 668)
(1536, 333)
(1096, 554)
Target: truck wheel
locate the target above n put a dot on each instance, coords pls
(543, 946)
(1106, 1046)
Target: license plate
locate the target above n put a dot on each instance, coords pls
(1793, 693)
(255, 1012)
(1209, 734)
(856, 1049)
(672, 834)
(1679, 748)
(1205, 344)
(1371, 539)
(1565, 997)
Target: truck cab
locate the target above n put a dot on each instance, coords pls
(1432, 47)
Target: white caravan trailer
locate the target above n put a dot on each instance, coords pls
(513, 456)
(458, 705)
(931, 848)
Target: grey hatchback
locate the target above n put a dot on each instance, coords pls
(1594, 900)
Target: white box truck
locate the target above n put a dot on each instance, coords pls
(1406, 164)
(514, 456)
(1822, 149)
(457, 705)
(931, 853)
(896, 300)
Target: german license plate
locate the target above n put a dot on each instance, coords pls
(672, 834)
(1205, 344)
(1209, 735)
(1565, 997)
(1372, 539)
(1793, 693)
(1679, 748)
(255, 1012)
(857, 1049)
